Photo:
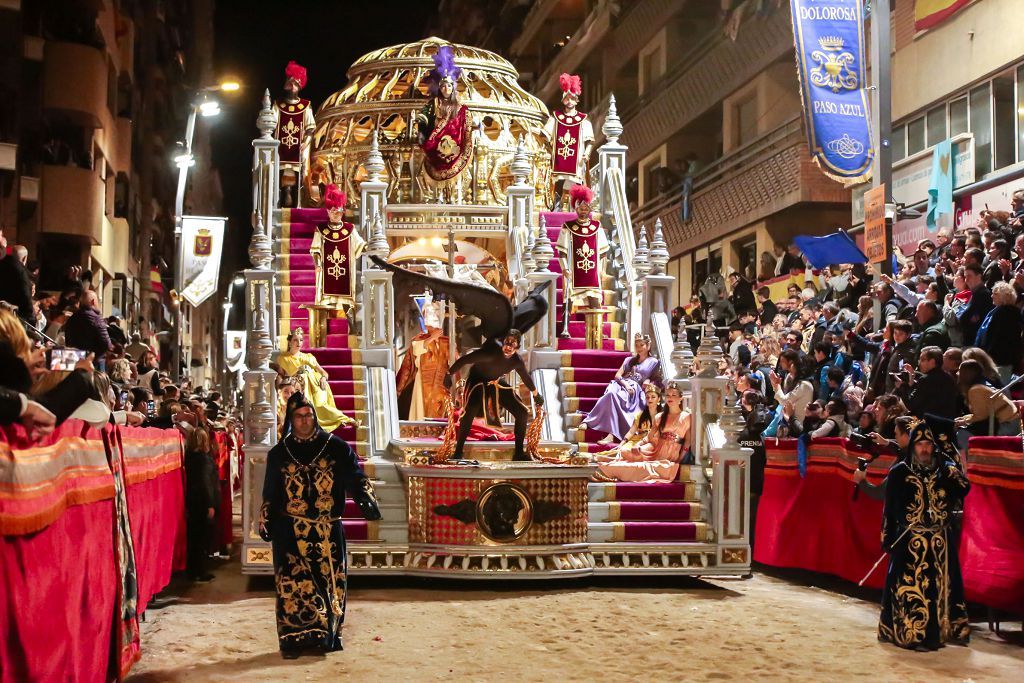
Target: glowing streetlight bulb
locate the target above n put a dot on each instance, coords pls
(209, 108)
(230, 86)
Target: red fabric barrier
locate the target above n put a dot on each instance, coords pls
(157, 510)
(57, 591)
(58, 563)
(813, 523)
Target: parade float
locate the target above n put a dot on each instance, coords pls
(453, 178)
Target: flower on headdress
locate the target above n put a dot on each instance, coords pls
(297, 72)
(334, 198)
(571, 83)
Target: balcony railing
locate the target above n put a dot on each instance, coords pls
(75, 82)
(72, 202)
(715, 67)
(590, 34)
(764, 177)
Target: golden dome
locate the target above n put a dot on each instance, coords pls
(385, 91)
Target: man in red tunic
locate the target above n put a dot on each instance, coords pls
(295, 126)
(335, 248)
(581, 248)
(445, 129)
(572, 137)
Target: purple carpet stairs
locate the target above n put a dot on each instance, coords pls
(620, 512)
(340, 358)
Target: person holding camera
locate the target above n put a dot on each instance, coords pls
(930, 390)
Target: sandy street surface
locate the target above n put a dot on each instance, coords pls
(403, 629)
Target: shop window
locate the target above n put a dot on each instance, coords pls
(935, 121)
(1005, 119)
(915, 136)
(981, 126)
(958, 117)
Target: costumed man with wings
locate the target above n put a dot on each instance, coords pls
(500, 330)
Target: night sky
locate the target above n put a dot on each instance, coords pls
(254, 42)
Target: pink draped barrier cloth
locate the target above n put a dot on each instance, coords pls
(813, 523)
(58, 565)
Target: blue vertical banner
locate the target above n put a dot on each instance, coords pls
(829, 38)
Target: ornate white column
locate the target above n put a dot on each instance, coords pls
(730, 483)
(520, 209)
(373, 198)
(260, 396)
(611, 154)
(657, 285)
(544, 333)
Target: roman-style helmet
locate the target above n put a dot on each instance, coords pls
(334, 201)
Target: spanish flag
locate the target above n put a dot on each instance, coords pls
(931, 13)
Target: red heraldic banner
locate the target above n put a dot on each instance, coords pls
(567, 142)
(290, 124)
(337, 255)
(585, 273)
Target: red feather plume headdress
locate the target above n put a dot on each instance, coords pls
(334, 199)
(297, 72)
(580, 193)
(571, 83)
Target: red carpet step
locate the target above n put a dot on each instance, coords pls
(645, 491)
(655, 532)
(645, 511)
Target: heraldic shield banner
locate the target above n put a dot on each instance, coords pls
(202, 240)
(829, 37)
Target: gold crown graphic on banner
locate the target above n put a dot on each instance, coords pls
(831, 43)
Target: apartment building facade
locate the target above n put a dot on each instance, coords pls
(708, 90)
(94, 95)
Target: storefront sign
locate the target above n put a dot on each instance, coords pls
(829, 37)
(911, 177)
(874, 225)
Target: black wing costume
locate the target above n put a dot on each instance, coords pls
(486, 391)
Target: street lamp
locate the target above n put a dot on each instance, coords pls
(203, 104)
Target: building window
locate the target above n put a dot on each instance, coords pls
(915, 136)
(651, 63)
(1005, 119)
(651, 176)
(981, 126)
(958, 117)
(746, 121)
(1020, 113)
(746, 257)
(935, 121)
(899, 143)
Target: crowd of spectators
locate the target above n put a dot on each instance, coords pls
(851, 350)
(62, 359)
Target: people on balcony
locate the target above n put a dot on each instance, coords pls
(615, 410)
(312, 381)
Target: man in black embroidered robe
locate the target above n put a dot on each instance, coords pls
(923, 604)
(309, 473)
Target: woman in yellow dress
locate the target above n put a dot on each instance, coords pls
(312, 382)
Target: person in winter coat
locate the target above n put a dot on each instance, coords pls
(202, 495)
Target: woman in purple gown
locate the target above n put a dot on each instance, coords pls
(614, 411)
